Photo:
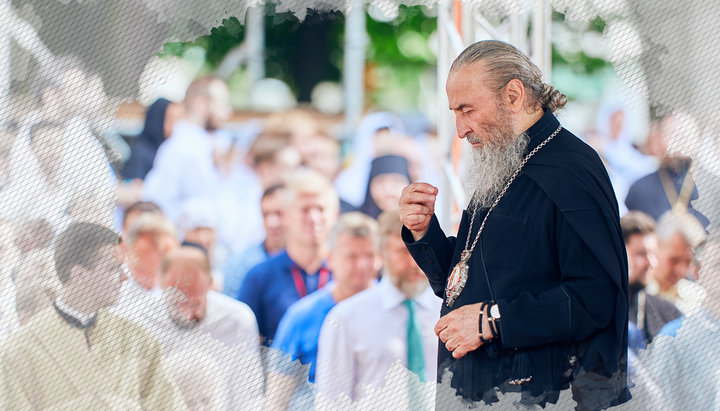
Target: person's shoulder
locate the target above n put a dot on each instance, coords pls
(128, 330)
(569, 150)
(359, 303)
(644, 181)
(273, 264)
(18, 342)
(229, 305)
(40, 324)
(253, 252)
(309, 306)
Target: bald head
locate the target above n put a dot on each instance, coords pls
(207, 102)
(185, 261)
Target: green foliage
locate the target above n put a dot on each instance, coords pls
(400, 52)
(403, 41)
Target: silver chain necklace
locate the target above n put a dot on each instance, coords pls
(458, 277)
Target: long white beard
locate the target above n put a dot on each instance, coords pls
(490, 168)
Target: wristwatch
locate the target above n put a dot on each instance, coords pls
(494, 312)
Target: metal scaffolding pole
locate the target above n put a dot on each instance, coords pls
(542, 47)
(256, 43)
(354, 65)
(445, 121)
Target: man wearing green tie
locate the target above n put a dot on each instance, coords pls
(388, 325)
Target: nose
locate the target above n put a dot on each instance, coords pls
(273, 221)
(315, 215)
(461, 127)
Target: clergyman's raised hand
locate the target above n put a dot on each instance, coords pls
(417, 206)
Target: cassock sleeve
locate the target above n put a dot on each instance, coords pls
(583, 302)
(433, 254)
(335, 371)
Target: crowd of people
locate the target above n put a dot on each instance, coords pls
(257, 266)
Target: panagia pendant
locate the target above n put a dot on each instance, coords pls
(458, 278)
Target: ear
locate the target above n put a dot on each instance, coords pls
(515, 94)
(78, 275)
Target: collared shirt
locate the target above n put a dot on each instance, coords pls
(84, 319)
(299, 329)
(183, 169)
(269, 289)
(365, 335)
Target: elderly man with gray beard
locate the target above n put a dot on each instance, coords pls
(535, 282)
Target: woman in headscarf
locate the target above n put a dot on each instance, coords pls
(389, 175)
(363, 151)
(159, 120)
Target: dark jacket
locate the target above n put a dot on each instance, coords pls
(552, 256)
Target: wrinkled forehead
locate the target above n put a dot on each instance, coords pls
(468, 85)
(474, 73)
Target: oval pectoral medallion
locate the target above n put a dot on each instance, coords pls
(458, 278)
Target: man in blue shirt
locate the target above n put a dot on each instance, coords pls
(272, 205)
(312, 208)
(354, 262)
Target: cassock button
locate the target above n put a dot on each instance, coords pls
(423, 248)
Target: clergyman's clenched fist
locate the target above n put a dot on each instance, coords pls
(417, 205)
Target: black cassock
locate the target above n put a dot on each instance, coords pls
(552, 257)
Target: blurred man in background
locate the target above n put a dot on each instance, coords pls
(134, 210)
(150, 238)
(272, 205)
(354, 263)
(671, 276)
(191, 318)
(311, 209)
(184, 166)
(363, 336)
(77, 355)
(672, 186)
(648, 313)
(678, 372)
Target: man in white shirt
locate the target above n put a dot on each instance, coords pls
(150, 237)
(679, 371)
(184, 167)
(365, 335)
(190, 319)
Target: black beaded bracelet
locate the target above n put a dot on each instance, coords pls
(482, 310)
